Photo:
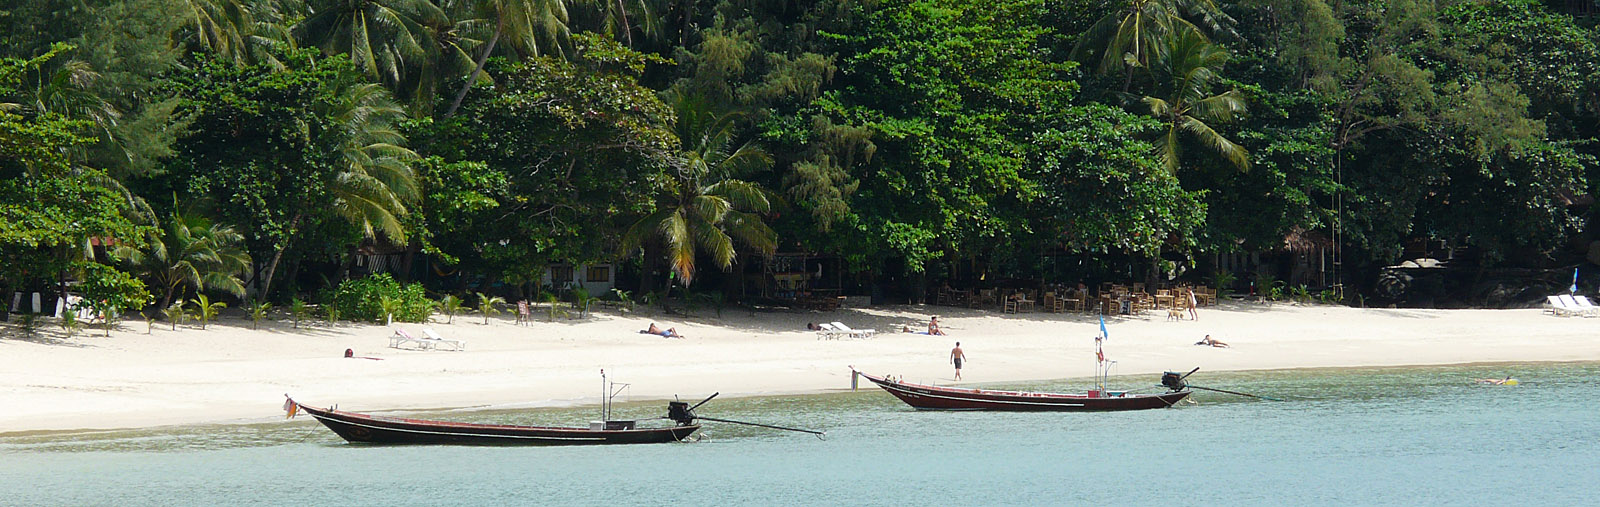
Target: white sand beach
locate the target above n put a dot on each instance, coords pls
(230, 373)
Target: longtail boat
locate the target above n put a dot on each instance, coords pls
(363, 428)
(931, 397)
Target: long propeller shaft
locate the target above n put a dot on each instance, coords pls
(1192, 386)
(819, 434)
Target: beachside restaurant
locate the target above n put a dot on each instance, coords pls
(802, 280)
(1108, 298)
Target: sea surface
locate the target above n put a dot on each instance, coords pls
(1400, 436)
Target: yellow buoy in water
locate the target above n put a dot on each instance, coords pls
(1509, 382)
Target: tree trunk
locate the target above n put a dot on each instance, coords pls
(473, 77)
(405, 265)
(266, 283)
(166, 301)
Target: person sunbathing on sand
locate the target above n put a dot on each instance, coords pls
(1208, 341)
(933, 326)
(670, 332)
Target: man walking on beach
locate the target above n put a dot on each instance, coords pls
(957, 356)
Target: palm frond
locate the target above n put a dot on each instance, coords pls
(1216, 142)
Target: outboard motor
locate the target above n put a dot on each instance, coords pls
(1173, 380)
(679, 412)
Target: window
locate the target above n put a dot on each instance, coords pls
(600, 273)
(560, 274)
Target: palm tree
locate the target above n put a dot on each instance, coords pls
(618, 18)
(1126, 37)
(189, 252)
(385, 38)
(489, 306)
(708, 206)
(529, 26)
(222, 26)
(454, 40)
(205, 310)
(1183, 70)
(376, 181)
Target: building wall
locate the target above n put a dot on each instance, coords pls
(598, 278)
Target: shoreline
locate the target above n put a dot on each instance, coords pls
(567, 404)
(229, 373)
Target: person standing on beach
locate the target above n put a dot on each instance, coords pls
(957, 356)
(1193, 315)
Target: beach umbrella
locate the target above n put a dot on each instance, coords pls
(1574, 288)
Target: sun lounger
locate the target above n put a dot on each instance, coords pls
(1563, 305)
(401, 337)
(854, 333)
(440, 340)
(1585, 307)
(828, 332)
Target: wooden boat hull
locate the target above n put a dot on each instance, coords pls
(926, 397)
(363, 428)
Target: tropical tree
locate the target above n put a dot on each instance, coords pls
(709, 205)
(289, 152)
(175, 314)
(375, 180)
(385, 38)
(1183, 71)
(619, 19)
(529, 26)
(298, 310)
(205, 309)
(259, 310)
(1127, 36)
(487, 305)
(189, 252)
(222, 26)
(450, 305)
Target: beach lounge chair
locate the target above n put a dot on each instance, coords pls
(437, 340)
(1585, 307)
(854, 333)
(826, 331)
(1561, 307)
(401, 337)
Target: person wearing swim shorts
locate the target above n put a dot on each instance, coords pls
(957, 356)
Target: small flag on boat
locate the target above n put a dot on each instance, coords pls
(290, 409)
(1103, 327)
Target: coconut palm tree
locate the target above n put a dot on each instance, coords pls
(708, 206)
(530, 27)
(376, 182)
(1126, 37)
(1183, 70)
(191, 253)
(386, 39)
(222, 26)
(455, 39)
(619, 19)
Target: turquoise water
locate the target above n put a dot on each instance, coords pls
(1345, 436)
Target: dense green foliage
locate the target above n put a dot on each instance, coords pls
(363, 299)
(909, 137)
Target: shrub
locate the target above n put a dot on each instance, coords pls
(450, 305)
(362, 299)
(299, 311)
